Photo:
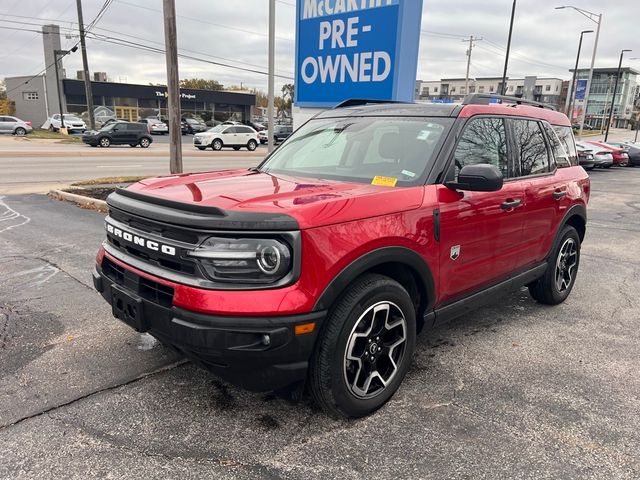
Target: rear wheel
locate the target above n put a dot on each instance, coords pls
(252, 145)
(365, 348)
(145, 142)
(217, 144)
(105, 142)
(556, 284)
(133, 145)
(20, 132)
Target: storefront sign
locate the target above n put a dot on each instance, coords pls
(184, 96)
(356, 49)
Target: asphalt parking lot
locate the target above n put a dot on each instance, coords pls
(514, 390)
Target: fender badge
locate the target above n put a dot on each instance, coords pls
(455, 252)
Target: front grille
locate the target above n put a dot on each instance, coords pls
(148, 289)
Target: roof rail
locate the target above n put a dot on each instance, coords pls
(485, 99)
(354, 102)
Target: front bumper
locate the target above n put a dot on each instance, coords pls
(256, 353)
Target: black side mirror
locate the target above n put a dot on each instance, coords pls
(478, 178)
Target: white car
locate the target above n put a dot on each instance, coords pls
(235, 136)
(14, 125)
(71, 122)
(156, 126)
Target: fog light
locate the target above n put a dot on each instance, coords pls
(266, 340)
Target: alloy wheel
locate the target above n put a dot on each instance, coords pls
(375, 349)
(565, 264)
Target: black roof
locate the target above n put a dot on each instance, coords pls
(395, 110)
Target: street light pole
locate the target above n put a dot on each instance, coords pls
(591, 16)
(503, 90)
(58, 85)
(271, 81)
(575, 73)
(615, 91)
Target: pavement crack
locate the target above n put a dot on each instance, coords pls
(50, 263)
(143, 376)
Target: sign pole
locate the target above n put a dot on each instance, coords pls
(271, 92)
(173, 86)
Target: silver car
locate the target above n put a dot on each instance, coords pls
(15, 126)
(601, 158)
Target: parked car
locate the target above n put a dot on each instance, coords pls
(120, 133)
(258, 127)
(194, 126)
(280, 134)
(622, 145)
(634, 154)
(586, 126)
(231, 122)
(602, 158)
(156, 126)
(585, 157)
(14, 126)
(71, 122)
(234, 136)
(321, 265)
(620, 157)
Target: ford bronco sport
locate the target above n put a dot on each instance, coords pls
(370, 223)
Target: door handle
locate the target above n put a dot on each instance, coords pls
(559, 194)
(511, 204)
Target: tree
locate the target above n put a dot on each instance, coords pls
(201, 84)
(287, 97)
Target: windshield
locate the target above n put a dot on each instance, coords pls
(73, 118)
(378, 150)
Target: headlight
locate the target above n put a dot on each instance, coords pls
(244, 260)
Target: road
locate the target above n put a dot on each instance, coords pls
(513, 390)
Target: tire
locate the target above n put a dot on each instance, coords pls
(236, 148)
(216, 144)
(590, 168)
(345, 387)
(20, 132)
(92, 145)
(105, 142)
(252, 145)
(145, 142)
(132, 145)
(556, 284)
(202, 148)
(608, 166)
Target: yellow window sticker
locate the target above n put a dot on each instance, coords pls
(384, 181)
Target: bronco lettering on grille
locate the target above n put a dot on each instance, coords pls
(140, 241)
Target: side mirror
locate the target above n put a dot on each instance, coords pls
(478, 178)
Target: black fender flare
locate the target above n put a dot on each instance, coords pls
(372, 259)
(575, 211)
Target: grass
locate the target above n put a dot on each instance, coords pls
(108, 181)
(48, 135)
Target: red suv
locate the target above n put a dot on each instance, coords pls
(370, 223)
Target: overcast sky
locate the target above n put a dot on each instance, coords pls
(235, 32)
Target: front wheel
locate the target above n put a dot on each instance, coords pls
(252, 145)
(556, 284)
(365, 348)
(105, 142)
(145, 142)
(132, 145)
(217, 144)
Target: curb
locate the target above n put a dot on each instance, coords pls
(81, 200)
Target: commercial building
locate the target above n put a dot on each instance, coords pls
(627, 101)
(547, 90)
(36, 98)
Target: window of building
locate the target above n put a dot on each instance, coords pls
(435, 89)
(480, 89)
(484, 140)
(463, 90)
(547, 88)
(453, 90)
(531, 147)
(30, 95)
(491, 88)
(472, 89)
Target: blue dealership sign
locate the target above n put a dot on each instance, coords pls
(364, 49)
(581, 89)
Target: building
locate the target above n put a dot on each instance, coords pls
(627, 102)
(36, 98)
(546, 90)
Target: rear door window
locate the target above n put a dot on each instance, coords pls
(530, 147)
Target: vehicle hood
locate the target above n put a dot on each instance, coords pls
(311, 202)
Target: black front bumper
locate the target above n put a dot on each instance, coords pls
(256, 353)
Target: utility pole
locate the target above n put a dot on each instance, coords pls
(173, 86)
(615, 91)
(506, 58)
(471, 45)
(271, 89)
(85, 65)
